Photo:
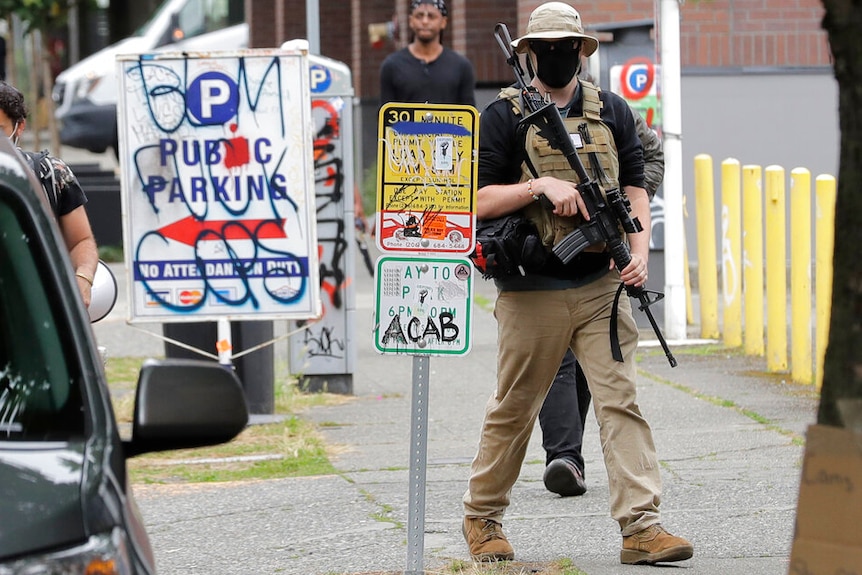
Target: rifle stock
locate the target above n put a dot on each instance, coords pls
(608, 212)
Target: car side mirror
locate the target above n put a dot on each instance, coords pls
(185, 403)
(103, 296)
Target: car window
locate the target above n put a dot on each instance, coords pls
(204, 16)
(39, 399)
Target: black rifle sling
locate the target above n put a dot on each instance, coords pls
(616, 352)
(599, 174)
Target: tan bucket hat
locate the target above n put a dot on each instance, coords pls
(554, 21)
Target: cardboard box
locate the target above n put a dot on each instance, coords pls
(828, 537)
(818, 558)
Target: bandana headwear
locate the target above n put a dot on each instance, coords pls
(439, 4)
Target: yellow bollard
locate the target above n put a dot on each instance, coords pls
(731, 259)
(800, 276)
(689, 306)
(686, 278)
(752, 246)
(825, 238)
(776, 271)
(706, 256)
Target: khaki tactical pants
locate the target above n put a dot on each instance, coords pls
(534, 330)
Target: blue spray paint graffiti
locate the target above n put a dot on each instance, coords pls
(216, 176)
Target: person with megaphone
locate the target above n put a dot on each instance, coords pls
(63, 192)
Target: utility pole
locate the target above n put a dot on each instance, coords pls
(74, 35)
(312, 25)
(674, 254)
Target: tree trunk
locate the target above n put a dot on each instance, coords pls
(33, 99)
(47, 88)
(842, 374)
(11, 67)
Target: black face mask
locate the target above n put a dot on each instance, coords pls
(556, 65)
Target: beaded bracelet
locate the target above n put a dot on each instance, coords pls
(530, 190)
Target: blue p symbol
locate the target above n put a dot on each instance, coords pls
(213, 99)
(638, 79)
(320, 78)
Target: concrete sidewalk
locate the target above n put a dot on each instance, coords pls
(729, 439)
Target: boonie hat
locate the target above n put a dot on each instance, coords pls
(555, 21)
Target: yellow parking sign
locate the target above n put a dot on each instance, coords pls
(426, 187)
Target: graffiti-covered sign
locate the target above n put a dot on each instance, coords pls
(218, 185)
(423, 305)
(324, 351)
(426, 197)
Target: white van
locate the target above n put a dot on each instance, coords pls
(85, 94)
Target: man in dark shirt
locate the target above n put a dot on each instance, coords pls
(62, 190)
(565, 306)
(426, 71)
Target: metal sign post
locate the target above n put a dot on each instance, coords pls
(418, 466)
(426, 200)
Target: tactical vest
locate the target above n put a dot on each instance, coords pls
(550, 162)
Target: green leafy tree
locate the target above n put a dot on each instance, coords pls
(842, 373)
(38, 14)
(43, 16)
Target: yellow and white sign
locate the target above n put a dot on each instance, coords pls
(426, 194)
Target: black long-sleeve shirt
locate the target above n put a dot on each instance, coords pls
(501, 153)
(447, 80)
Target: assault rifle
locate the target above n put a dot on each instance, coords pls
(608, 211)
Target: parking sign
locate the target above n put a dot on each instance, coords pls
(426, 193)
(218, 185)
(424, 305)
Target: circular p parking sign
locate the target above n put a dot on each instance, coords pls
(637, 78)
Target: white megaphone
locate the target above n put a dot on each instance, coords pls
(103, 296)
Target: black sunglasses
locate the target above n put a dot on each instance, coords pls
(542, 47)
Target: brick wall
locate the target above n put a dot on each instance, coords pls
(737, 33)
(715, 33)
(261, 24)
(343, 33)
(724, 33)
(474, 22)
(367, 59)
(272, 22)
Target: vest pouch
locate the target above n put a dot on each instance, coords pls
(507, 246)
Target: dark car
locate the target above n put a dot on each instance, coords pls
(65, 502)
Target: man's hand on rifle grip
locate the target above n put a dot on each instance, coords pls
(563, 195)
(634, 274)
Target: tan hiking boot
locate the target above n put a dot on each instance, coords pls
(654, 545)
(486, 540)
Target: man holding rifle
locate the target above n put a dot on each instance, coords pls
(575, 304)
